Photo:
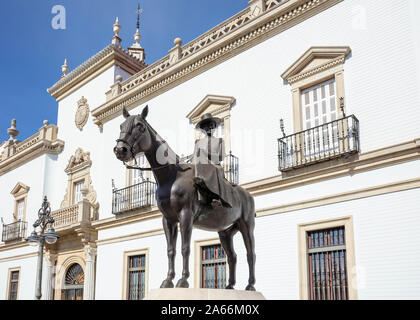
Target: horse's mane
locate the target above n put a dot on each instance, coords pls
(159, 138)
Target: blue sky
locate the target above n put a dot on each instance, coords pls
(33, 52)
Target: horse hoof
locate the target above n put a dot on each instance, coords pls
(167, 284)
(182, 283)
(230, 287)
(250, 287)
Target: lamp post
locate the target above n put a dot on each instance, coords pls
(44, 219)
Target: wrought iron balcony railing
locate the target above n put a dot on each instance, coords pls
(338, 138)
(14, 231)
(230, 166)
(136, 196)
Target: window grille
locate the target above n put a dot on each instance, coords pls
(136, 277)
(327, 265)
(13, 285)
(213, 267)
(74, 282)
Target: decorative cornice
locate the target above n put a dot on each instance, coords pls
(219, 44)
(45, 141)
(109, 53)
(392, 155)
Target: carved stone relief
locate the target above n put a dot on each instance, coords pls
(82, 113)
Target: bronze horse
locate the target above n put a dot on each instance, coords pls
(178, 201)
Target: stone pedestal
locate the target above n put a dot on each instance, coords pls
(203, 294)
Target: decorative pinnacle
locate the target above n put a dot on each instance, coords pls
(116, 27)
(65, 68)
(178, 42)
(137, 37)
(12, 131)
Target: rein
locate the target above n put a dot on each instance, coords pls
(156, 168)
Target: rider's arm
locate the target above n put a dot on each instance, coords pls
(221, 150)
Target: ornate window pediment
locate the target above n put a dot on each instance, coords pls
(20, 189)
(218, 106)
(78, 170)
(79, 161)
(20, 193)
(315, 60)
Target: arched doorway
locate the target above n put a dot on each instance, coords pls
(73, 283)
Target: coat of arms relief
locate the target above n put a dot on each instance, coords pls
(82, 113)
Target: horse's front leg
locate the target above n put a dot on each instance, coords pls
(171, 232)
(186, 224)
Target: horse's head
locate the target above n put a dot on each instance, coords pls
(134, 136)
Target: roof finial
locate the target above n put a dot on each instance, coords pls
(136, 50)
(139, 10)
(137, 34)
(12, 131)
(116, 40)
(64, 68)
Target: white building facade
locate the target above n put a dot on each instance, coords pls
(336, 183)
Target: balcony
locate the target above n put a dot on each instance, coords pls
(338, 138)
(77, 215)
(14, 231)
(137, 196)
(230, 166)
(65, 216)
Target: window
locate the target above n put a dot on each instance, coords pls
(326, 260)
(20, 193)
(135, 274)
(73, 283)
(327, 266)
(319, 108)
(134, 177)
(319, 104)
(213, 267)
(20, 216)
(136, 277)
(137, 175)
(317, 84)
(13, 285)
(77, 191)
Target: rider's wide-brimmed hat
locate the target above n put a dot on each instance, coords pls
(206, 119)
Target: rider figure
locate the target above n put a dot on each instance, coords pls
(209, 152)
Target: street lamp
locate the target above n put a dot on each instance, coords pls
(44, 219)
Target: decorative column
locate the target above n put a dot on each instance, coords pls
(89, 286)
(48, 285)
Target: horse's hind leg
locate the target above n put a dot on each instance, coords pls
(226, 239)
(171, 232)
(247, 230)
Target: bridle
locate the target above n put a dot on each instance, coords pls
(136, 167)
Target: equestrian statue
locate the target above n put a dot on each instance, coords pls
(193, 194)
